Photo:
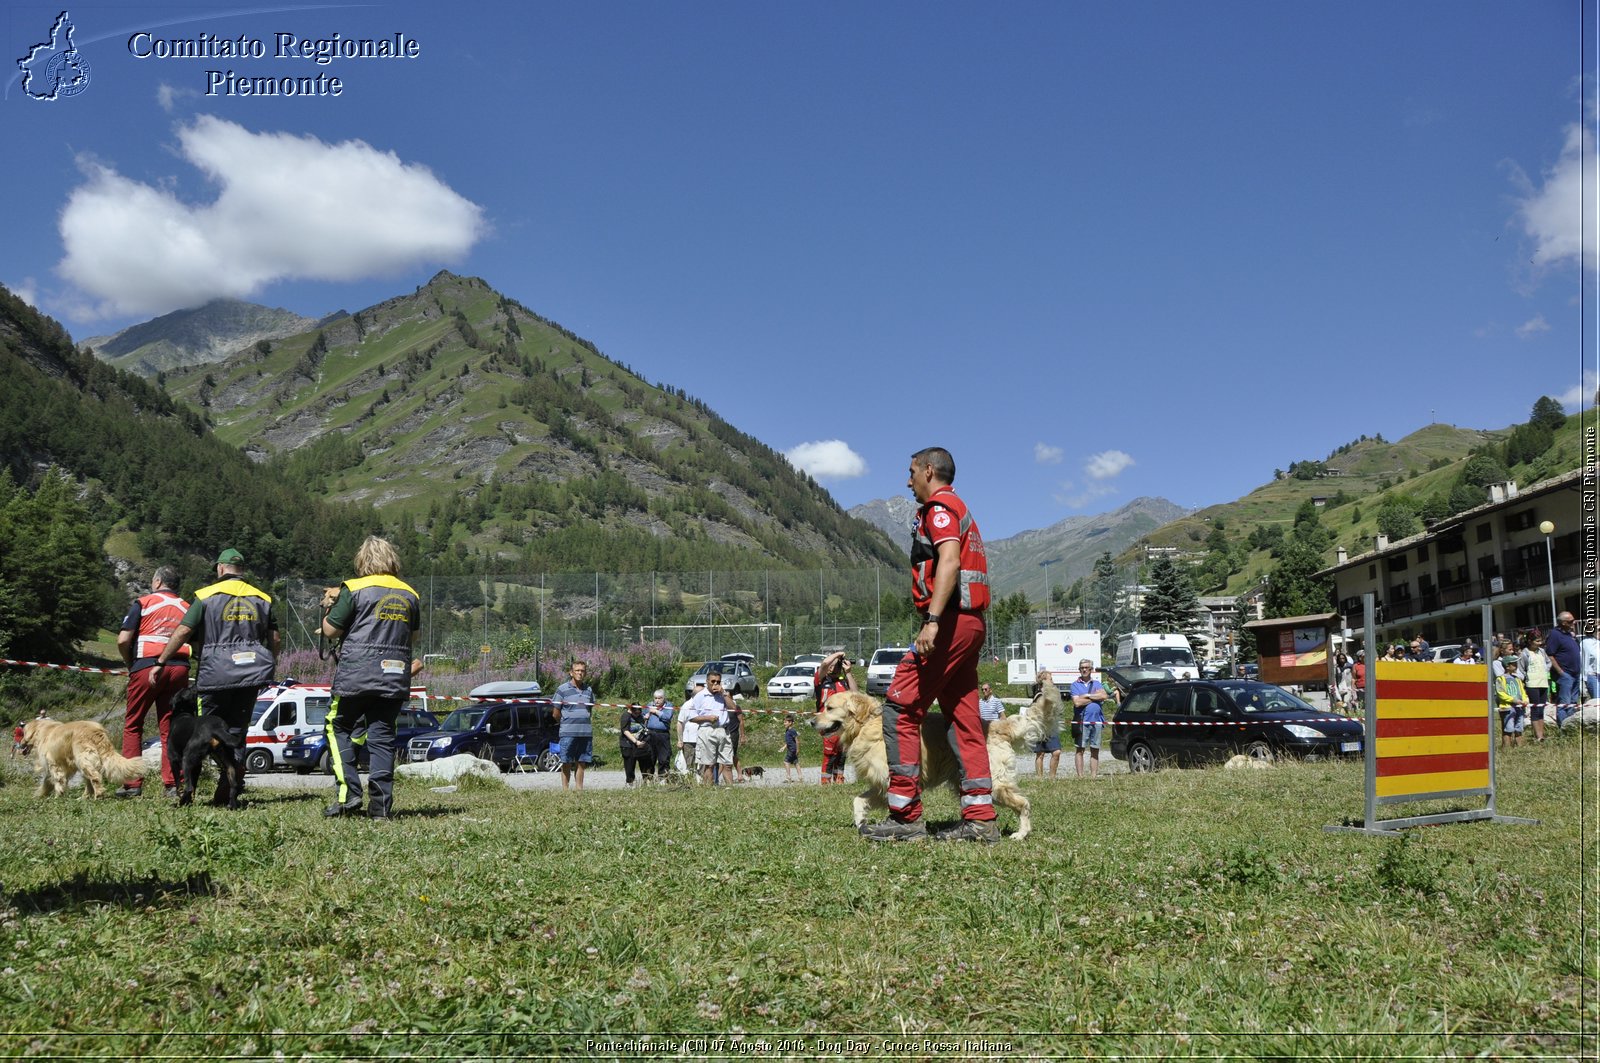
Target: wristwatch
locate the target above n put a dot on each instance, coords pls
(932, 618)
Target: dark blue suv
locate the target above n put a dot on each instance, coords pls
(499, 731)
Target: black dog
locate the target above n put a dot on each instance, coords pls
(190, 739)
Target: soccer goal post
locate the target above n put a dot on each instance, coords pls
(764, 642)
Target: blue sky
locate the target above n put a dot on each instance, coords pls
(1097, 250)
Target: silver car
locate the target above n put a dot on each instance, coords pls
(737, 678)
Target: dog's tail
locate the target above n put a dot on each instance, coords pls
(113, 766)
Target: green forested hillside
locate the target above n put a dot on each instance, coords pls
(1364, 487)
(148, 464)
(494, 433)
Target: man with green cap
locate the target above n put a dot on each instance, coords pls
(235, 635)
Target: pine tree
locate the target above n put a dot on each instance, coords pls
(1170, 605)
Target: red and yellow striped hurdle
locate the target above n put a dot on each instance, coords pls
(1434, 730)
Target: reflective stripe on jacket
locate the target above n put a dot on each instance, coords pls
(160, 613)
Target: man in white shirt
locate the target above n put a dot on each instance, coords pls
(990, 708)
(710, 709)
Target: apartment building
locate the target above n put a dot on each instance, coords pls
(1436, 583)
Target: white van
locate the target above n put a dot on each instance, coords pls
(1171, 652)
(285, 710)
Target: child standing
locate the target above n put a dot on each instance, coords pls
(1512, 698)
(791, 749)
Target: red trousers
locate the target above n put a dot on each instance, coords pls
(948, 675)
(147, 687)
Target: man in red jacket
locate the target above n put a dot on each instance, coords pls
(950, 589)
(150, 620)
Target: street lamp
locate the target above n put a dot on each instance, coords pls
(1046, 566)
(1549, 528)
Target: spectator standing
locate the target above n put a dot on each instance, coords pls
(1468, 655)
(689, 736)
(833, 675)
(1535, 673)
(1344, 681)
(574, 707)
(1415, 651)
(633, 738)
(151, 620)
(232, 629)
(1358, 677)
(1088, 704)
(791, 750)
(658, 731)
(1512, 698)
(950, 589)
(1051, 744)
(990, 708)
(378, 617)
(1566, 664)
(714, 751)
(1589, 657)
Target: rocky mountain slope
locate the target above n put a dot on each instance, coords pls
(196, 337)
(1076, 542)
(479, 420)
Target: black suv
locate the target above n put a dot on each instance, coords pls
(1167, 721)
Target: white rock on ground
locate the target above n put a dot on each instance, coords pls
(449, 769)
(1588, 716)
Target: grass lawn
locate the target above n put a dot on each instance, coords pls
(1192, 913)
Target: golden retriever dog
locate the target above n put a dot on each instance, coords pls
(858, 720)
(82, 747)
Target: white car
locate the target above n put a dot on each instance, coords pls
(792, 681)
(880, 670)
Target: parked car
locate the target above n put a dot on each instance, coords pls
(737, 679)
(282, 712)
(1448, 652)
(502, 732)
(809, 658)
(793, 681)
(1165, 721)
(736, 658)
(308, 751)
(880, 670)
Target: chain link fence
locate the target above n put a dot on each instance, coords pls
(497, 618)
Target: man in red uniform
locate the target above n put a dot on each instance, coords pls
(150, 620)
(950, 589)
(833, 675)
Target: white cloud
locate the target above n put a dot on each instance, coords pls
(1533, 326)
(1075, 498)
(827, 459)
(167, 96)
(287, 207)
(1106, 464)
(27, 290)
(1579, 395)
(1549, 211)
(1045, 454)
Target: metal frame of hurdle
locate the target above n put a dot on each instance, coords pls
(1430, 736)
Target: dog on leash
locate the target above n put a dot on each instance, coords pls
(858, 720)
(192, 738)
(82, 747)
(753, 772)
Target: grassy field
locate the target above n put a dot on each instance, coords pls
(1196, 913)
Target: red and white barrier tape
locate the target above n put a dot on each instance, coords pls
(65, 667)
